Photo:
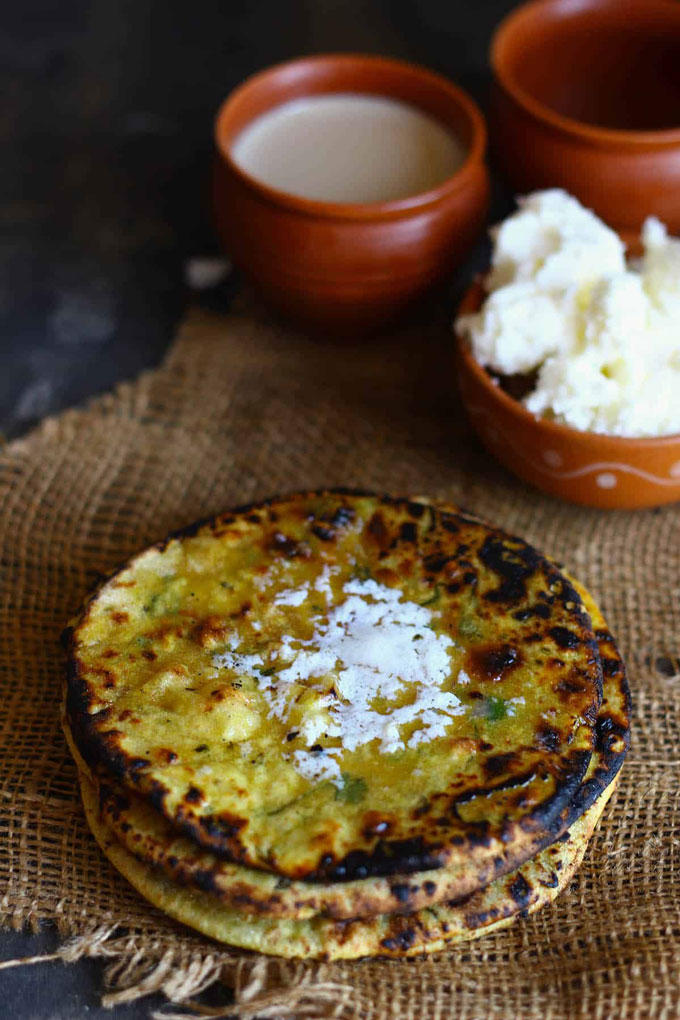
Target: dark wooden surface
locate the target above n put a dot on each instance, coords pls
(106, 111)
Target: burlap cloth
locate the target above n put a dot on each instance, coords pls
(242, 409)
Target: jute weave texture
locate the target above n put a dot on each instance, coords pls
(242, 409)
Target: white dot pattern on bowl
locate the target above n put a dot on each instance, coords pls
(551, 462)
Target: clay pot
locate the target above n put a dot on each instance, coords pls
(341, 265)
(587, 98)
(581, 467)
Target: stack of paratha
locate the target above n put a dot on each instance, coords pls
(335, 725)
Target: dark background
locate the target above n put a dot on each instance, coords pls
(106, 111)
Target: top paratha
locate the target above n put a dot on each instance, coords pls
(152, 840)
(334, 685)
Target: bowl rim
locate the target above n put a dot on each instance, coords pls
(356, 210)
(472, 298)
(525, 12)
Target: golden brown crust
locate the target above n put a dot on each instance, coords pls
(525, 629)
(149, 837)
(535, 884)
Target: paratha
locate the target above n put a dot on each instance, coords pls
(536, 883)
(333, 685)
(150, 838)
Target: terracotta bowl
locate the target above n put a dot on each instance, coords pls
(343, 265)
(582, 467)
(587, 98)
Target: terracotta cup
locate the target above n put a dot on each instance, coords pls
(587, 98)
(344, 265)
(581, 467)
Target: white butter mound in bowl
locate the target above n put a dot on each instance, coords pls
(602, 336)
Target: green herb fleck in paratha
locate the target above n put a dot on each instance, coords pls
(353, 789)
